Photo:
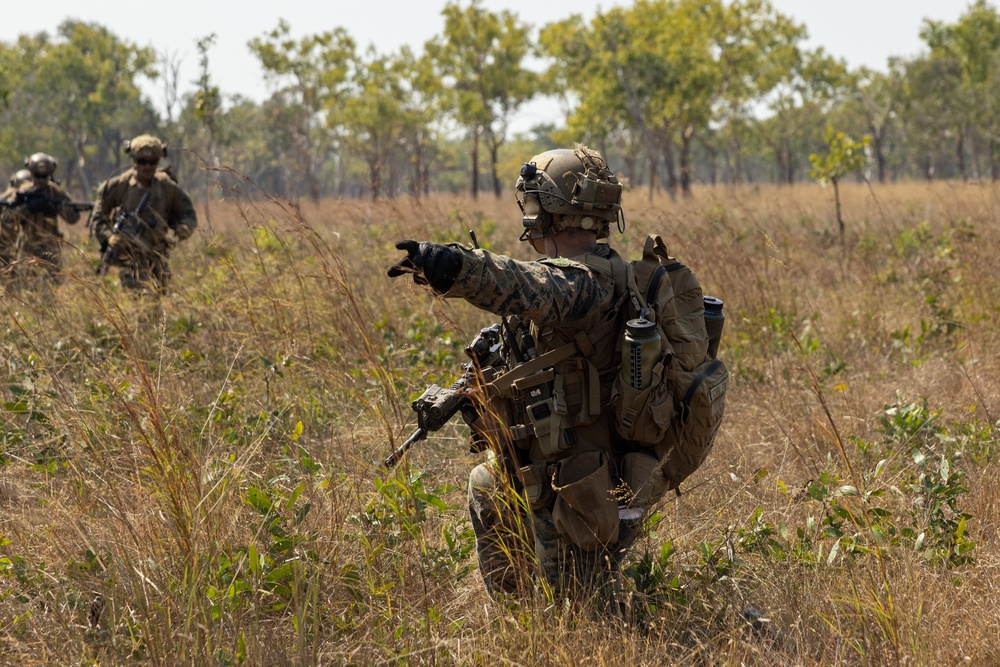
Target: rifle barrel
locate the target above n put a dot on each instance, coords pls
(415, 437)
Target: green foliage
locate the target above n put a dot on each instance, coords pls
(400, 510)
(83, 87)
(480, 60)
(843, 155)
(916, 462)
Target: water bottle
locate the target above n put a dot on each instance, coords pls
(715, 319)
(640, 352)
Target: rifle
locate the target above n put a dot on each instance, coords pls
(128, 225)
(437, 405)
(38, 201)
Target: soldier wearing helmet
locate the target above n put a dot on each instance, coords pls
(167, 217)
(556, 442)
(28, 225)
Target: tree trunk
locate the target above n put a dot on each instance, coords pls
(960, 155)
(474, 158)
(670, 167)
(653, 164)
(737, 161)
(686, 139)
(836, 200)
(418, 156)
(375, 177)
(494, 155)
(994, 165)
(879, 148)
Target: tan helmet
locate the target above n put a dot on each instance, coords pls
(20, 177)
(575, 183)
(41, 165)
(146, 147)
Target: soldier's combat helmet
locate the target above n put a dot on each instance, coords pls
(146, 147)
(20, 177)
(575, 183)
(41, 165)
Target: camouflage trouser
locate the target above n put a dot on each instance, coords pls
(9, 231)
(513, 551)
(26, 252)
(144, 271)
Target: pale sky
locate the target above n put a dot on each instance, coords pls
(864, 32)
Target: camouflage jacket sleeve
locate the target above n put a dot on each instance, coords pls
(109, 197)
(180, 210)
(546, 292)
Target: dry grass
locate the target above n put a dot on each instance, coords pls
(209, 464)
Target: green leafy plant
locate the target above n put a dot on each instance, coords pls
(843, 155)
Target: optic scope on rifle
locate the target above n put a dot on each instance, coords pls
(437, 405)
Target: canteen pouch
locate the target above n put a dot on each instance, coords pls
(645, 416)
(585, 513)
(643, 480)
(700, 408)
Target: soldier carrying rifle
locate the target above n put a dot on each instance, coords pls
(137, 238)
(28, 220)
(603, 393)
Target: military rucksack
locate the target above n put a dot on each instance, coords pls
(680, 412)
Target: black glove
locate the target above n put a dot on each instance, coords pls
(430, 263)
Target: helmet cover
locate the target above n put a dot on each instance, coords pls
(575, 183)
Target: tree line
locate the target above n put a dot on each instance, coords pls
(674, 92)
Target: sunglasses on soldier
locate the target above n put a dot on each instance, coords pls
(147, 162)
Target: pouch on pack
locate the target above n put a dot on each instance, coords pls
(679, 414)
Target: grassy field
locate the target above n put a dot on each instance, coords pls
(209, 464)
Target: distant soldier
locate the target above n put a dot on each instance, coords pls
(141, 214)
(9, 226)
(28, 221)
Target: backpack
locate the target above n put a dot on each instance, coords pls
(678, 415)
(680, 412)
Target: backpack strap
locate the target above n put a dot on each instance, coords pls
(654, 284)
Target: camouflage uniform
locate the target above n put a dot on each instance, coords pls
(549, 494)
(168, 208)
(557, 298)
(26, 233)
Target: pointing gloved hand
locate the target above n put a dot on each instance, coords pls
(430, 263)
(114, 240)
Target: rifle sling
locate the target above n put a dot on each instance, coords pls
(582, 343)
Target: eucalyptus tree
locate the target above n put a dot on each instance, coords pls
(310, 77)
(424, 117)
(667, 69)
(929, 113)
(798, 106)
(76, 95)
(373, 114)
(875, 99)
(480, 58)
(973, 43)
